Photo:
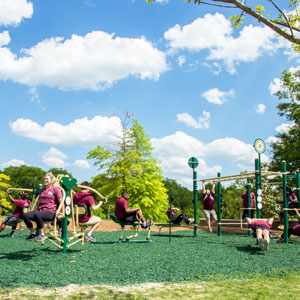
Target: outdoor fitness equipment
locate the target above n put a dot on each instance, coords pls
(135, 227)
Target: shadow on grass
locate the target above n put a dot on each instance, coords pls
(253, 250)
(20, 255)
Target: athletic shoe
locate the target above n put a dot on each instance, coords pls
(40, 238)
(11, 234)
(191, 221)
(88, 238)
(149, 223)
(281, 227)
(31, 237)
(265, 245)
(260, 243)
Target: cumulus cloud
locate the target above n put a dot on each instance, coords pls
(215, 34)
(181, 60)
(104, 59)
(12, 12)
(54, 158)
(260, 108)
(100, 130)
(284, 127)
(202, 123)
(82, 164)
(4, 38)
(175, 150)
(275, 86)
(272, 140)
(13, 163)
(216, 96)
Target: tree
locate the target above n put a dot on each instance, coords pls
(285, 25)
(287, 145)
(25, 176)
(59, 171)
(129, 165)
(5, 204)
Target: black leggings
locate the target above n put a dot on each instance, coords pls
(39, 217)
(181, 217)
(290, 231)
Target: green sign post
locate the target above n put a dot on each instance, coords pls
(219, 206)
(193, 163)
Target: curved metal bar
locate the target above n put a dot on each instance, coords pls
(93, 190)
(19, 189)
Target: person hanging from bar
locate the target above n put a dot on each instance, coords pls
(244, 203)
(208, 206)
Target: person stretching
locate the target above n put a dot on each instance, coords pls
(179, 218)
(86, 199)
(124, 213)
(13, 218)
(261, 230)
(49, 199)
(294, 230)
(208, 206)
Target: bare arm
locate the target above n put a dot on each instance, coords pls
(203, 187)
(95, 207)
(213, 188)
(10, 197)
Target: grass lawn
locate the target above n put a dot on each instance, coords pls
(208, 265)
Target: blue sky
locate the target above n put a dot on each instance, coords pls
(198, 86)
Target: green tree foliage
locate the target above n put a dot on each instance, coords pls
(129, 165)
(25, 176)
(288, 144)
(6, 205)
(285, 24)
(59, 171)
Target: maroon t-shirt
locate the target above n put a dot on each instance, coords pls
(172, 215)
(48, 199)
(260, 222)
(20, 204)
(245, 199)
(121, 205)
(296, 230)
(86, 199)
(208, 201)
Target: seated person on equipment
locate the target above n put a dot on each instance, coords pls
(294, 230)
(49, 199)
(244, 204)
(123, 213)
(179, 218)
(13, 218)
(86, 199)
(208, 206)
(261, 230)
(292, 203)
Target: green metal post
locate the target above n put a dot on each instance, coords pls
(249, 202)
(64, 232)
(219, 206)
(285, 214)
(257, 183)
(170, 216)
(195, 189)
(298, 188)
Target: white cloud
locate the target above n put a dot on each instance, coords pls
(260, 108)
(82, 164)
(216, 96)
(284, 127)
(54, 158)
(181, 60)
(202, 123)
(35, 97)
(104, 59)
(99, 130)
(215, 33)
(272, 140)
(275, 86)
(4, 38)
(175, 150)
(162, 1)
(12, 12)
(13, 163)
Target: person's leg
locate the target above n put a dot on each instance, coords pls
(139, 216)
(96, 223)
(41, 216)
(28, 217)
(259, 238)
(213, 217)
(178, 219)
(2, 226)
(266, 241)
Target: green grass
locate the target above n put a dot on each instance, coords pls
(205, 258)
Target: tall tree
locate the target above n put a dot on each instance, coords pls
(129, 165)
(287, 145)
(285, 24)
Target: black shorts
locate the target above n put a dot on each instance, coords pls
(130, 217)
(262, 227)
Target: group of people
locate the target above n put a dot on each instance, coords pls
(50, 197)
